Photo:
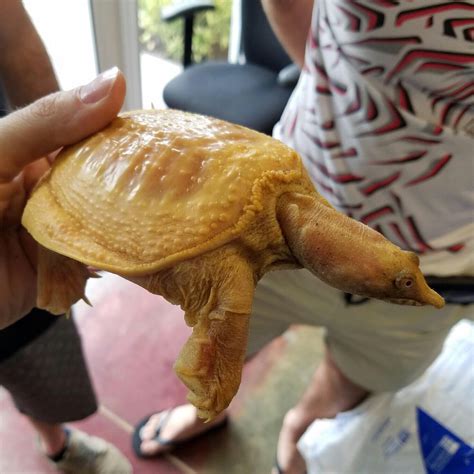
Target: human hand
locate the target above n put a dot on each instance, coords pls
(28, 139)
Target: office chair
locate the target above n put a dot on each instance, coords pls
(253, 93)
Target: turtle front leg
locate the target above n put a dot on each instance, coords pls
(210, 364)
(61, 281)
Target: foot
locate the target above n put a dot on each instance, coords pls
(329, 393)
(289, 460)
(54, 443)
(84, 453)
(181, 424)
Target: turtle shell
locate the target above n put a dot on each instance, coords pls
(156, 187)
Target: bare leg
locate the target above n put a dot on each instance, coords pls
(52, 436)
(328, 393)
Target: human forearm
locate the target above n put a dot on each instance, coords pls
(291, 21)
(25, 68)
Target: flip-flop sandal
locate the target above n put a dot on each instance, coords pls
(278, 469)
(166, 414)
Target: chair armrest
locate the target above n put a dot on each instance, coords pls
(185, 9)
(289, 75)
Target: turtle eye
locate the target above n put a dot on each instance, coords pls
(404, 282)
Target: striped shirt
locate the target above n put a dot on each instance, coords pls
(383, 118)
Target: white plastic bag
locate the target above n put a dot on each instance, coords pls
(428, 427)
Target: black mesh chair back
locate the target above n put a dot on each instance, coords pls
(259, 43)
(249, 94)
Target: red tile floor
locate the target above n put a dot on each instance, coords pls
(131, 339)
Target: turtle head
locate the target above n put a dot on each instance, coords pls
(351, 256)
(401, 280)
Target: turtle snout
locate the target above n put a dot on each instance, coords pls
(430, 297)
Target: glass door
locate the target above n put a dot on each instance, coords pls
(66, 30)
(116, 38)
(84, 37)
(161, 43)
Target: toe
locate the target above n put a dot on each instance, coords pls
(148, 431)
(151, 448)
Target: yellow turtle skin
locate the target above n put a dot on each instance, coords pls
(184, 184)
(198, 210)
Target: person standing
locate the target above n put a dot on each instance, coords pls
(42, 364)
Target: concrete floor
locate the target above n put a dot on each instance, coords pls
(131, 339)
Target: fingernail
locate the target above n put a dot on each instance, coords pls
(99, 87)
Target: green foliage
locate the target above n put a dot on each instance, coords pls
(211, 31)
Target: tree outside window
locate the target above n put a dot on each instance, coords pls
(211, 31)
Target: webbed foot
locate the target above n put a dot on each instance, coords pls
(210, 364)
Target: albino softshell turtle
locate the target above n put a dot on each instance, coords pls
(197, 210)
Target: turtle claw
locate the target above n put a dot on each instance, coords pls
(211, 403)
(86, 300)
(206, 407)
(93, 273)
(206, 393)
(201, 367)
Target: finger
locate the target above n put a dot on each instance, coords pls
(52, 156)
(34, 171)
(57, 120)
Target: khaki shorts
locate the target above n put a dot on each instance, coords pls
(378, 345)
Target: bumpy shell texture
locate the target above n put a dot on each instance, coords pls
(154, 188)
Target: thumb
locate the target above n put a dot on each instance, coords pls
(57, 120)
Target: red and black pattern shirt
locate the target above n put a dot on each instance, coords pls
(383, 117)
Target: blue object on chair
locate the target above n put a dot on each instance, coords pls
(252, 94)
